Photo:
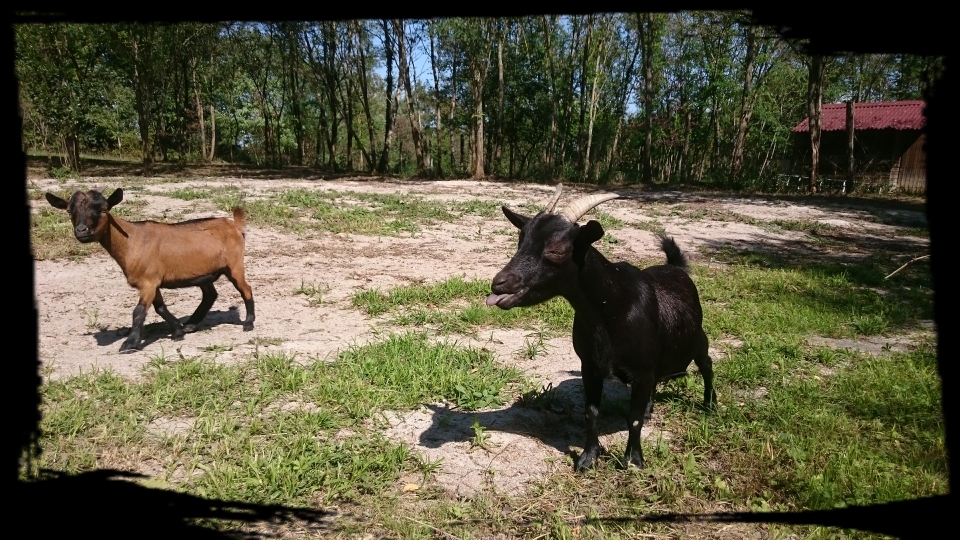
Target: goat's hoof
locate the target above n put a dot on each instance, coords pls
(178, 336)
(128, 348)
(586, 461)
(189, 328)
(247, 327)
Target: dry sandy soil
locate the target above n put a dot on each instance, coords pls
(83, 303)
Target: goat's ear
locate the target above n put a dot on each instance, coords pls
(589, 233)
(56, 202)
(115, 198)
(515, 218)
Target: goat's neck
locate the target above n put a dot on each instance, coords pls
(581, 294)
(116, 239)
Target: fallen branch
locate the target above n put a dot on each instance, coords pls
(915, 259)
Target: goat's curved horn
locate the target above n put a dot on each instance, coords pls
(553, 202)
(576, 209)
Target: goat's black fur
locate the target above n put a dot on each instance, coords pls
(642, 326)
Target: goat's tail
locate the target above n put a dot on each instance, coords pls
(674, 256)
(240, 220)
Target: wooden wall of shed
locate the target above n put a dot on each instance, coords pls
(912, 174)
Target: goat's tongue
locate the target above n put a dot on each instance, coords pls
(494, 298)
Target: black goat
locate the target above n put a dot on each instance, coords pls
(642, 326)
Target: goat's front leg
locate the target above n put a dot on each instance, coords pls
(132, 343)
(592, 393)
(161, 308)
(641, 404)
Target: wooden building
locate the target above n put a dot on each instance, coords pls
(888, 145)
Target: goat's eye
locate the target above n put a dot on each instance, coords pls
(555, 256)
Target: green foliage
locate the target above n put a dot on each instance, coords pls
(568, 105)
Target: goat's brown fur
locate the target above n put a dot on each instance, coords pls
(156, 256)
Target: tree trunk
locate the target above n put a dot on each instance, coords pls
(567, 113)
(498, 141)
(362, 70)
(850, 138)
(479, 61)
(478, 165)
(389, 117)
(646, 34)
(436, 92)
(686, 145)
(746, 105)
(583, 87)
(142, 91)
(213, 134)
(815, 106)
(203, 127)
(330, 49)
(415, 132)
(71, 152)
(594, 96)
(622, 109)
(551, 145)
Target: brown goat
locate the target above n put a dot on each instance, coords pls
(156, 256)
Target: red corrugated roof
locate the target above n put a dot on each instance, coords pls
(881, 115)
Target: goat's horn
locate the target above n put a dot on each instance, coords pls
(581, 206)
(553, 202)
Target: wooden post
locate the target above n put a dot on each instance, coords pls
(850, 162)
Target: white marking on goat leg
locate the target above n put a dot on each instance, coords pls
(636, 423)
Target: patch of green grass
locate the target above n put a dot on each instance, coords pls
(606, 220)
(870, 432)
(189, 194)
(245, 444)
(227, 197)
(456, 305)
(826, 298)
(653, 226)
(916, 232)
(807, 226)
(64, 173)
(350, 212)
(313, 291)
(261, 341)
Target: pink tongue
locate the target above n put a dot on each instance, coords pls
(494, 298)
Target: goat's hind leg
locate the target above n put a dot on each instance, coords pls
(705, 366)
(209, 297)
(236, 276)
(641, 404)
(175, 326)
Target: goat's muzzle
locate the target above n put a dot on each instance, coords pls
(506, 291)
(83, 233)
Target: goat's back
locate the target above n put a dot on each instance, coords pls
(677, 295)
(183, 251)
